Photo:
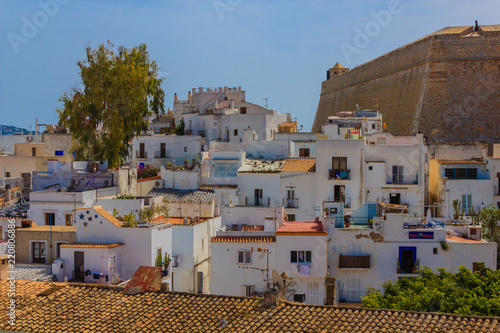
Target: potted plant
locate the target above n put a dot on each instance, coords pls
(347, 221)
(158, 262)
(326, 211)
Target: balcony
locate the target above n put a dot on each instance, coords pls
(158, 154)
(291, 203)
(340, 175)
(400, 179)
(253, 201)
(139, 155)
(409, 267)
(354, 261)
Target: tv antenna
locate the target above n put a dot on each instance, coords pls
(267, 102)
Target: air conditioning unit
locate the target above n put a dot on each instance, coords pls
(157, 183)
(75, 181)
(29, 138)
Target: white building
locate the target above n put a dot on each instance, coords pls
(395, 247)
(222, 114)
(104, 247)
(301, 252)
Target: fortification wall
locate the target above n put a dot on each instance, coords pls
(444, 85)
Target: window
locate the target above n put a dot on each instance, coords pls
(38, 252)
(162, 150)
(339, 164)
(460, 173)
(467, 202)
(68, 219)
(1, 233)
(258, 197)
(247, 291)
(243, 110)
(395, 198)
(370, 168)
(33, 151)
(304, 152)
(300, 298)
(7, 174)
(381, 141)
(244, 257)
(300, 256)
(339, 193)
(58, 249)
(224, 169)
(333, 210)
(290, 217)
(142, 150)
(407, 259)
(235, 131)
(312, 293)
(373, 126)
(202, 244)
(185, 149)
(397, 174)
(200, 282)
(50, 218)
(435, 250)
(353, 290)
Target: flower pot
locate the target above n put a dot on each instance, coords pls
(164, 273)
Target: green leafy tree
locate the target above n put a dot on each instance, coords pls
(490, 218)
(464, 292)
(120, 91)
(179, 130)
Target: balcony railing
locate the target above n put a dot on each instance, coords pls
(411, 268)
(138, 154)
(253, 201)
(354, 261)
(400, 179)
(158, 154)
(336, 174)
(291, 203)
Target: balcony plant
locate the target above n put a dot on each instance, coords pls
(166, 264)
(158, 262)
(347, 221)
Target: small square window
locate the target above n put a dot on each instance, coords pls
(244, 257)
(7, 175)
(301, 298)
(435, 250)
(370, 168)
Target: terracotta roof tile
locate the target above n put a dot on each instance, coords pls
(313, 227)
(246, 227)
(243, 239)
(302, 164)
(221, 186)
(92, 245)
(450, 162)
(49, 307)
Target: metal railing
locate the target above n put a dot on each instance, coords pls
(253, 201)
(138, 154)
(336, 174)
(291, 203)
(400, 179)
(354, 261)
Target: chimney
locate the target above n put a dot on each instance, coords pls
(7, 193)
(272, 298)
(476, 27)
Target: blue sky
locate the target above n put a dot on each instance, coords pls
(278, 50)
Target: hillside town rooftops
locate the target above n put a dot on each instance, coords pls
(63, 307)
(185, 196)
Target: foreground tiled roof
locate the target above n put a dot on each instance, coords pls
(185, 196)
(92, 245)
(299, 165)
(450, 162)
(243, 239)
(77, 308)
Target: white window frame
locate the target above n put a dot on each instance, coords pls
(300, 254)
(247, 257)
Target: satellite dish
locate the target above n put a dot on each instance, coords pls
(278, 280)
(205, 148)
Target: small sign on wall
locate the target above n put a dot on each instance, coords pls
(421, 235)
